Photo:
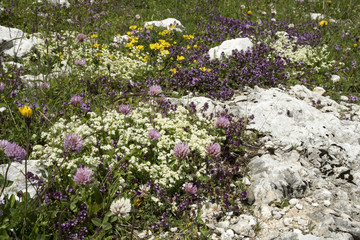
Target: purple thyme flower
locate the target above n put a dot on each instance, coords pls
(154, 134)
(190, 188)
(3, 143)
(80, 62)
(15, 152)
(353, 98)
(181, 150)
(2, 86)
(244, 195)
(154, 90)
(222, 122)
(83, 176)
(76, 99)
(81, 37)
(125, 109)
(73, 143)
(213, 150)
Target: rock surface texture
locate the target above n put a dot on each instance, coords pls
(226, 47)
(309, 163)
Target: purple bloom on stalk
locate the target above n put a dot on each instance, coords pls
(3, 143)
(83, 176)
(81, 37)
(244, 195)
(222, 122)
(76, 99)
(125, 109)
(213, 150)
(190, 188)
(154, 90)
(15, 152)
(2, 86)
(154, 134)
(181, 150)
(73, 143)
(80, 62)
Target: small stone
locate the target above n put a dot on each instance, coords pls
(327, 203)
(287, 221)
(228, 235)
(220, 230)
(315, 204)
(174, 229)
(302, 222)
(299, 206)
(293, 201)
(335, 78)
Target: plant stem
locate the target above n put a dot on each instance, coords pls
(26, 161)
(5, 183)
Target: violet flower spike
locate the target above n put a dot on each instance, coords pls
(15, 152)
(154, 90)
(222, 122)
(213, 150)
(154, 134)
(125, 109)
(73, 143)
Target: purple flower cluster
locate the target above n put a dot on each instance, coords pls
(73, 143)
(154, 134)
(83, 176)
(76, 100)
(14, 152)
(181, 150)
(80, 62)
(81, 37)
(154, 90)
(125, 109)
(213, 150)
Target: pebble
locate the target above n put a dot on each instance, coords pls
(299, 206)
(294, 201)
(315, 204)
(327, 203)
(287, 221)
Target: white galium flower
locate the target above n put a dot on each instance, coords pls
(121, 207)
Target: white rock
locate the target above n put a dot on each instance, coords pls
(228, 235)
(174, 229)
(2, 109)
(344, 98)
(299, 206)
(327, 203)
(315, 204)
(121, 39)
(293, 201)
(316, 16)
(226, 47)
(319, 90)
(16, 174)
(287, 221)
(167, 23)
(335, 78)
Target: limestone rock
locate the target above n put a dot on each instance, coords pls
(167, 23)
(226, 47)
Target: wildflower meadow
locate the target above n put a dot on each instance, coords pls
(89, 105)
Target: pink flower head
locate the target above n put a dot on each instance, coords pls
(73, 143)
(154, 134)
(80, 62)
(190, 188)
(83, 176)
(3, 143)
(15, 152)
(222, 122)
(125, 109)
(137, 16)
(45, 85)
(81, 37)
(76, 99)
(154, 90)
(181, 150)
(213, 150)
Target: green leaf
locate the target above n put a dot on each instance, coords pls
(106, 219)
(12, 201)
(107, 226)
(9, 183)
(96, 222)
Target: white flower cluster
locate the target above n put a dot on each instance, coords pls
(121, 207)
(92, 57)
(133, 143)
(288, 49)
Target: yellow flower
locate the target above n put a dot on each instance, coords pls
(25, 111)
(99, 54)
(96, 45)
(144, 59)
(249, 12)
(355, 45)
(129, 33)
(129, 45)
(188, 37)
(323, 23)
(165, 52)
(329, 2)
(180, 58)
(111, 56)
(104, 47)
(94, 36)
(137, 202)
(140, 47)
(172, 26)
(140, 29)
(133, 27)
(150, 27)
(188, 47)
(195, 61)
(173, 70)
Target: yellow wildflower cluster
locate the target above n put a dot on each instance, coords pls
(150, 27)
(132, 27)
(173, 70)
(323, 23)
(160, 46)
(133, 41)
(165, 32)
(140, 47)
(204, 69)
(96, 45)
(180, 58)
(94, 36)
(188, 37)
